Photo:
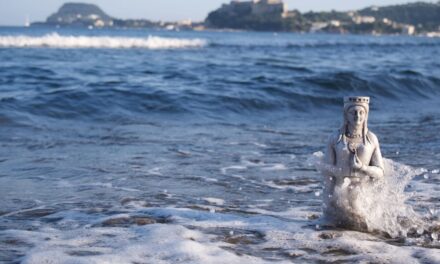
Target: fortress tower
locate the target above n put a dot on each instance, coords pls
(269, 7)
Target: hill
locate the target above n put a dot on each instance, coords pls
(423, 15)
(272, 15)
(80, 14)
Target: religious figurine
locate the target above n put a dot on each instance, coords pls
(353, 161)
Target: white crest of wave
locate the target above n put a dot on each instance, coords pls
(55, 40)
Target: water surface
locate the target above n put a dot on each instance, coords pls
(135, 146)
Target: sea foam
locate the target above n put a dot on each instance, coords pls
(55, 40)
(193, 236)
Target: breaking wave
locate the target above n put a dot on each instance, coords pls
(55, 40)
(208, 75)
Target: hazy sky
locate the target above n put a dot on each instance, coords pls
(14, 12)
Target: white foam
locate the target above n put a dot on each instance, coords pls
(293, 213)
(155, 171)
(275, 167)
(154, 243)
(216, 201)
(175, 243)
(235, 167)
(55, 40)
(248, 164)
(261, 145)
(295, 188)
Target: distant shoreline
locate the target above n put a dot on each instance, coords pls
(417, 18)
(218, 30)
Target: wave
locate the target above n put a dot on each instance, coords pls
(55, 40)
(108, 99)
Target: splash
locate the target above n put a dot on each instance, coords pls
(374, 206)
(55, 40)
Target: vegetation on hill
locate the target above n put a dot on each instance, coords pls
(327, 16)
(425, 16)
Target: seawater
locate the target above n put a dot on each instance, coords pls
(143, 146)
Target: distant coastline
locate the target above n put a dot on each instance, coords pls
(419, 18)
(273, 15)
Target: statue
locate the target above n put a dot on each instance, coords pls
(353, 161)
(362, 190)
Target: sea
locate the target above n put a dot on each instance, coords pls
(153, 146)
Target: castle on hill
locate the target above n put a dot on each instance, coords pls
(262, 15)
(256, 7)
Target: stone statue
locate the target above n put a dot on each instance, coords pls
(352, 161)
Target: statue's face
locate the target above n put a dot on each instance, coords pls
(356, 115)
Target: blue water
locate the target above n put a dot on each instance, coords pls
(85, 131)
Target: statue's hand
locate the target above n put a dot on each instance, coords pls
(357, 163)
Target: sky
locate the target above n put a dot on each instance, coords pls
(14, 12)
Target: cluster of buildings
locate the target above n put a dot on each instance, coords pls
(360, 20)
(405, 29)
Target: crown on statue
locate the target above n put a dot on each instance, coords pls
(356, 100)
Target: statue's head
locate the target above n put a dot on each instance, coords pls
(356, 110)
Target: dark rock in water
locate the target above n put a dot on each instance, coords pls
(127, 221)
(313, 217)
(79, 14)
(83, 253)
(338, 252)
(33, 213)
(237, 236)
(240, 239)
(329, 235)
(133, 220)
